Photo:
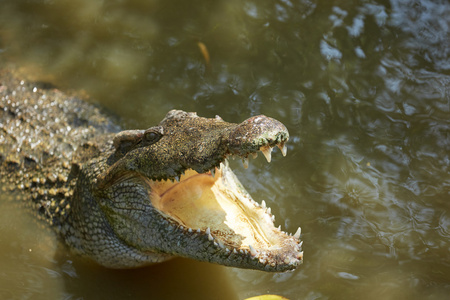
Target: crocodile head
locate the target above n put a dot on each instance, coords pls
(168, 190)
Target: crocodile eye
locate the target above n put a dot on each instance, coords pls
(151, 136)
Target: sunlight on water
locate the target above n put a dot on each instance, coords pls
(362, 86)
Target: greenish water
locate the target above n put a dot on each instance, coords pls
(363, 87)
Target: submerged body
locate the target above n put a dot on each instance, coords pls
(130, 198)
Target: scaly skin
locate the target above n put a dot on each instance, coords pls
(138, 197)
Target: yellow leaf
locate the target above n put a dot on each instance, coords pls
(267, 297)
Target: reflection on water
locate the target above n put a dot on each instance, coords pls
(27, 255)
(363, 86)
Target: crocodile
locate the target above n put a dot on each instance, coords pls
(131, 198)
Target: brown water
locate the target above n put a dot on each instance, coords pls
(363, 87)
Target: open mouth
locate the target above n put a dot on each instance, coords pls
(216, 205)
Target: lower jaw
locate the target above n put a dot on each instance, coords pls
(220, 208)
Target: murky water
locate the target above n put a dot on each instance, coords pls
(363, 87)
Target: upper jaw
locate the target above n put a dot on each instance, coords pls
(259, 133)
(200, 144)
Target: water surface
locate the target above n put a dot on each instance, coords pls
(363, 87)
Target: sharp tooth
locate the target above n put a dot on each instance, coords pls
(190, 230)
(269, 211)
(198, 230)
(255, 155)
(234, 251)
(210, 237)
(263, 204)
(213, 172)
(208, 231)
(300, 244)
(267, 151)
(279, 228)
(252, 250)
(300, 255)
(283, 148)
(177, 178)
(273, 218)
(297, 233)
(245, 162)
